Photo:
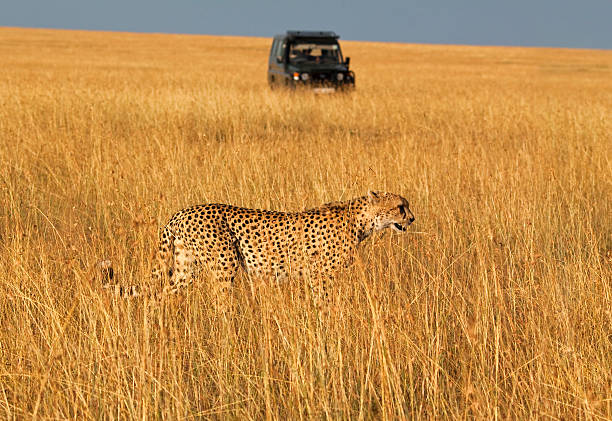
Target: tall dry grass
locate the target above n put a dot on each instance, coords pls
(496, 304)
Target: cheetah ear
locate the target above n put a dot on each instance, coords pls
(373, 196)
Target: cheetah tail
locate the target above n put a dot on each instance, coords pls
(105, 274)
(161, 269)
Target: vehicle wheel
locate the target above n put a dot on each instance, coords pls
(289, 84)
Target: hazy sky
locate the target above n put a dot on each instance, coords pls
(558, 23)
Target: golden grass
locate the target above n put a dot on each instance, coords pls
(496, 304)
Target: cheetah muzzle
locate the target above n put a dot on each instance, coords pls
(399, 227)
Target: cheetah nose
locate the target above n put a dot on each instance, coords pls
(411, 220)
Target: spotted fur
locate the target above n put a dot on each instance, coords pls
(221, 240)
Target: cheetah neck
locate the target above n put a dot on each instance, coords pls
(362, 228)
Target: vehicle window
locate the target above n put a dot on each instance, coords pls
(281, 49)
(273, 49)
(302, 52)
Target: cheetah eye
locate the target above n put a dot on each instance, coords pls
(402, 210)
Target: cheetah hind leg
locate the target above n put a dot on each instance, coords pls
(174, 265)
(178, 262)
(164, 259)
(181, 270)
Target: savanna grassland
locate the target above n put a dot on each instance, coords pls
(497, 303)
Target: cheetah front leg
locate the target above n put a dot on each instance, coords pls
(320, 297)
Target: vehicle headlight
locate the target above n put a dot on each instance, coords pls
(305, 76)
(296, 76)
(340, 76)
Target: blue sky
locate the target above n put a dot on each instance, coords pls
(561, 23)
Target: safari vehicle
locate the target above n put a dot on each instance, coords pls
(309, 58)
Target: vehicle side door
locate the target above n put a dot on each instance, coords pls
(276, 63)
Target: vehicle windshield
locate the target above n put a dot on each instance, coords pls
(309, 52)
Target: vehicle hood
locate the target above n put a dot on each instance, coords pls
(318, 68)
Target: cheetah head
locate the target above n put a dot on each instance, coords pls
(386, 210)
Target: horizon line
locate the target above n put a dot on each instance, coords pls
(270, 37)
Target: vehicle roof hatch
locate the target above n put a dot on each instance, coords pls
(312, 34)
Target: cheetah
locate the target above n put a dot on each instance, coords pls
(222, 240)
